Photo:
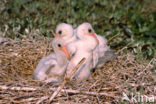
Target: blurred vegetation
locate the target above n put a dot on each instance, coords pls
(130, 22)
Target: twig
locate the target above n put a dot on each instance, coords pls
(4, 87)
(26, 100)
(42, 99)
(76, 68)
(148, 65)
(65, 79)
(57, 91)
(123, 48)
(85, 92)
(113, 37)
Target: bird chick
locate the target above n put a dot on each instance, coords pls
(52, 67)
(82, 48)
(66, 32)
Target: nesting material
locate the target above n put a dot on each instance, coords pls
(19, 58)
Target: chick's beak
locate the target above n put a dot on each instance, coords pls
(93, 35)
(64, 49)
(56, 35)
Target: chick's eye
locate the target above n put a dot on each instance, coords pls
(59, 45)
(60, 32)
(89, 30)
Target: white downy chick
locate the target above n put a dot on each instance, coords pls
(66, 32)
(52, 67)
(82, 48)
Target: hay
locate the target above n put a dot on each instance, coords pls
(18, 59)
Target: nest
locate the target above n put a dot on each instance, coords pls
(19, 58)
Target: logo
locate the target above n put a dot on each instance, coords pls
(137, 98)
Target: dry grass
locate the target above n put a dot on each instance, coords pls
(19, 58)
